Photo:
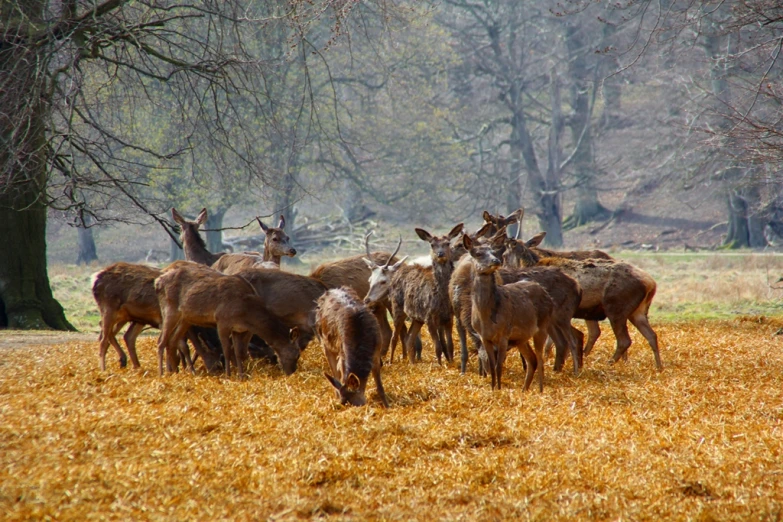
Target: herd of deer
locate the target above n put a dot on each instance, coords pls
(502, 292)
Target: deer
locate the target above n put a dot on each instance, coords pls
(504, 315)
(564, 291)
(292, 297)
(125, 293)
(419, 293)
(351, 340)
(612, 290)
(276, 245)
(199, 296)
(354, 273)
(192, 243)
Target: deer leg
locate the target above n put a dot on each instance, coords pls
(436, 339)
(225, 341)
(490, 351)
(410, 340)
(184, 352)
(174, 356)
(130, 341)
(558, 339)
(577, 339)
(531, 360)
(502, 348)
(107, 330)
(379, 311)
(123, 359)
(642, 323)
(400, 334)
(593, 332)
(240, 341)
(167, 328)
(620, 328)
(463, 345)
(539, 340)
(448, 331)
(376, 375)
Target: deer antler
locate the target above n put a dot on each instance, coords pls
(399, 244)
(367, 243)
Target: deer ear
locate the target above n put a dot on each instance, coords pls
(455, 231)
(177, 216)
(281, 224)
(520, 212)
(467, 242)
(352, 382)
(263, 227)
(334, 381)
(369, 262)
(423, 234)
(483, 231)
(535, 240)
(293, 334)
(500, 240)
(398, 264)
(487, 216)
(202, 217)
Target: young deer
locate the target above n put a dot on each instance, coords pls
(125, 293)
(509, 314)
(419, 293)
(199, 296)
(276, 245)
(354, 273)
(351, 341)
(563, 290)
(192, 243)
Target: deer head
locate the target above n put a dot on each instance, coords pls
(277, 241)
(519, 253)
(440, 245)
(188, 228)
(381, 275)
(350, 392)
(500, 221)
(484, 258)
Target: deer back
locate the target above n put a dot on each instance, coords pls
(352, 272)
(129, 289)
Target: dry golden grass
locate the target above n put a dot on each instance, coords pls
(700, 441)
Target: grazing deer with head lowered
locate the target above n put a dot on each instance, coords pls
(125, 293)
(419, 293)
(354, 273)
(276, 245)
(611, 289)
(199, 296)
(192, 243)
(506, 315)
(564, 291)
(351, 340)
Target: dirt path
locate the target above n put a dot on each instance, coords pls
(22, 338)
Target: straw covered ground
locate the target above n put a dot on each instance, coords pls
(700, 441)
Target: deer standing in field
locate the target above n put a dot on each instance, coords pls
(192, 243)
(354, 273)
(276, 245)
(351, 341)
(611, 289)
(506, 315)
(125, 293)
(198, 296)
(419, 293)
(564, 291)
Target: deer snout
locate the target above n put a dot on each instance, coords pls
(291, 252)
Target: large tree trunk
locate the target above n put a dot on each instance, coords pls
(746, 228)
(86, 242)
(175, 252)
(26, 299)
(215, 236)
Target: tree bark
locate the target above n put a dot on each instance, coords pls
(86, 242)
(214, 222)
(746, 227)
(175, 252)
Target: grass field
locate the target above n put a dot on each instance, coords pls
(702, 440)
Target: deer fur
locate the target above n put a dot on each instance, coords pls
(420, 294)
(276, 245)
(192, 243)
(199, 296)
(615, 290)
(354, 273)
(506, 315)
(351, 341)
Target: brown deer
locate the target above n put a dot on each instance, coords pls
(563, 290)
(199, 296)
(192, 243)
(276, 245)
(125, 293)
(354, 273)
(419, 293)
(506, 315)
(291, 297)
(351, 341)
(498, 222)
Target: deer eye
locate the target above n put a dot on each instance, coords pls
(275, 239)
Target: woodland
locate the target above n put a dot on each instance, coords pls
(407, 112)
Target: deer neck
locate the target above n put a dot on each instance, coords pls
(268, 256)
(442, 273)
(485, 297)
(195, 248)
